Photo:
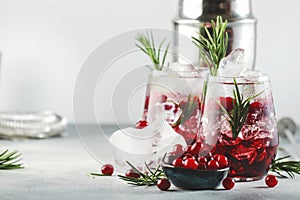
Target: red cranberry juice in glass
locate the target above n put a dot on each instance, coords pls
(178, 94)
(252, 151)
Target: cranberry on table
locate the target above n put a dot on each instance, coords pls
(271, 181)
(163, 184)
(132, 174)
(107, 169)
(228, 183)
(141, 124)
(212, 165)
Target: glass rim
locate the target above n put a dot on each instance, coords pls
(250, 78)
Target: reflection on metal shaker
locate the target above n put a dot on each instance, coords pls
(193, 14)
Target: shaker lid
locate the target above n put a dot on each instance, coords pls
(205, 10)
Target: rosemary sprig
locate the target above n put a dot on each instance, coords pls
(237, 117)
(146, 179)
(289, 167)
(213, 47)
(10, 160)
(147, 45)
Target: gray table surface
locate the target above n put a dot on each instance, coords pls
(57, 168)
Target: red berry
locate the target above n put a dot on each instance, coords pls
(178, 150)
(209, 157)
(271, 181)
(190, 163)
(178, 162)
(202, 160)
(256, 107)
(202, 166)
(107, 169)
(227, 103)
(212, 165)
(141, 124)
(132, 174)
(163, 184)
(188, 149)
(168, 107)
(222, 160)
(187, 155)
(195, 149)
(228, 183)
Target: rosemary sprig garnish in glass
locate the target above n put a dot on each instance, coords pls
(10, 160)
(147, 45)
(289, 167)
(213, 47)
(237, 117)
(146, 179)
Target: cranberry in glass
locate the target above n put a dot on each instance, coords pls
(141, 124)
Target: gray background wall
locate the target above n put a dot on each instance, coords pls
(45, 42)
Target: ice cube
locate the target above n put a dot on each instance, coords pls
(178, 67)
(144, 145)
(233, 64)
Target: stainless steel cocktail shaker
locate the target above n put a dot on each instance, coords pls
(193, 14)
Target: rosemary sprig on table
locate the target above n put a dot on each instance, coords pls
(213, 47)
(146, 179)
(10, 160)
(237, 117)
(147, 45)
(289, 167)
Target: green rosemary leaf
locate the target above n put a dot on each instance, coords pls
(146, 179)
(10, 160)
(97, 174)
(289, 167)
(147, 45)
(213, 46)
(136, 170)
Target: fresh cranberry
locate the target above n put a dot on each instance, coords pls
(178, 150)
(163, 98)
(256, 107)
(163, 184)
(168, 107)
(222, 160)
(227, 103)
(107, 169)
(188, 149)
(178, 162)
(213, 165)
(202, 166)
(190, 163)
(228, 183)
(271, 181)
(209, 157)
(195, 149)
(141, 124)
(132, 174)
(202, 160)
(187, 156)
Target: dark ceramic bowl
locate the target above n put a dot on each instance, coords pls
(190, 179)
